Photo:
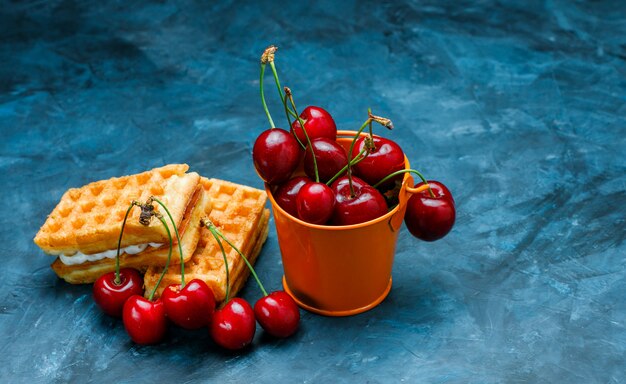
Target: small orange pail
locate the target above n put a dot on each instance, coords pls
(339, 270)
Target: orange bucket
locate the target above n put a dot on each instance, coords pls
(339, 270)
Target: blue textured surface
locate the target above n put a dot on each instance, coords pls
(519, 109)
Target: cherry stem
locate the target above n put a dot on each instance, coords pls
(117, 279)
(267, 111)
(180, 247)
(268, 57)
(280, 92)
(211, 229)
(245, 259)
(357, 159)
(308, 140)
(402, 171)
(289, 121)
(356, 137)
(169, 256)
(369, 112)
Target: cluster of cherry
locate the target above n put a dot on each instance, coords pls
(343, 185)
(190, 305)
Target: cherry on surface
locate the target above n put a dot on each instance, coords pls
(330, 157)
(366, 204)
(386, 158)
(318, 123)
(276, 154)
(315, 203)
(430, 218)
(110, 297)
(278, 314)
(233, 326)
(285, 195)
(144, 320)
(191, 307)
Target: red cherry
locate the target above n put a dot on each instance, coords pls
(110, 297)
(330, 157)
(144, 320)
(192, 307)
(278, 314)
(429, 218)
(315, 203)
(386, 158)
(318, 123)
(233, 326)
(276, 154)
(366, 204)
(285, 195)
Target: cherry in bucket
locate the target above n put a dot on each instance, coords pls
(356, 201)
(384, 157)
(318, 123)
(285, 195)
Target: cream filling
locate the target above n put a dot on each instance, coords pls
(79, 257)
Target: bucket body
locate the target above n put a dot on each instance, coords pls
(339, 270)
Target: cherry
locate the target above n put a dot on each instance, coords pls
(276, 154)
(387, 157)
(430, 218)
(233, 326)
(285, 195)
(110, 297)
(278, 314)
(315, 203)
(366, 204)
(330, 157)
(191, 307)
(144, 320)
(318, 123)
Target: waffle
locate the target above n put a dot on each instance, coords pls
(189, 231)
(87, 219)
(239, 213)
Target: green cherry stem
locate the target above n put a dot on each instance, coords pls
(180, 247)
(400, 172)
(356, 137)
(207, 223)
(117, 279)
(169, 256)
(267, 111)
(245, 259)
(289, 121)
(289, 95)
(357, 159)
(280, 92)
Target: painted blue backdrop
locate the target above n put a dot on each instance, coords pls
(519, 107)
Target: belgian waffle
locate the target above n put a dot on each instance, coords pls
(239, 213)
(87, 219)
(189, 231)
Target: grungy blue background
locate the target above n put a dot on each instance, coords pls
(519, 107)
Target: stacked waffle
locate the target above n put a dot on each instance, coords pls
(83, 230)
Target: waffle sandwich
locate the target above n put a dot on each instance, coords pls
(83, 230)
(239, 213)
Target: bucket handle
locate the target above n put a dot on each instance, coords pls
(403, 197)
